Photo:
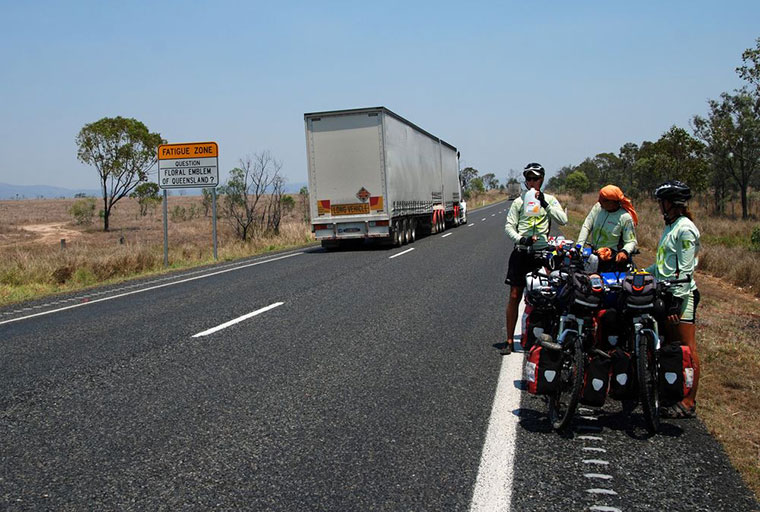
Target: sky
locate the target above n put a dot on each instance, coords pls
(507, 83)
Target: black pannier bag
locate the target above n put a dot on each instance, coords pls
(542, 370)
(676, 372)
(622, 376)
(596, 380)
(639, 291)
(582, 291)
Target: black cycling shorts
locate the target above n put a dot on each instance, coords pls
(520, 263)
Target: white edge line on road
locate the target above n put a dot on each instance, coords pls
(237, 320)
(400, 253)
(148, 289)
(493, 486)
(470, 225)
(447, 234)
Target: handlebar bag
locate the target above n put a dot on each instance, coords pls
(676, 372)
(596, 380)
(639, 290)
(542, 370)
(578, 292)
(622, 376)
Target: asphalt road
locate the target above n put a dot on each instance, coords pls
(368, 385)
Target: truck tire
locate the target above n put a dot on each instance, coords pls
(397, 234)
(413, 230)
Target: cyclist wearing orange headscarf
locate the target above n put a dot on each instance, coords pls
(610, 224)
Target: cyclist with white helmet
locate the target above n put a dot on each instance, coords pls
(527, 231)
(677, 259)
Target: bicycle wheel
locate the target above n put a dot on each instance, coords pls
(647, 368)
(562, 404)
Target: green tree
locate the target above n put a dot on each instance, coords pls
(466, 175)
(122, 150)
(577, 183)
(303, 196)
(288, 203)
(476, 185)
(609, 167)
(147, 195)
(490, 181)
(731, 132)
(750, 70)
(680, 156)
(628, 154)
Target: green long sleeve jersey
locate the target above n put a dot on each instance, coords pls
(677, 255)
(519, 225)
(608, 229)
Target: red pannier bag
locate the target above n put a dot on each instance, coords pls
(542, 370)
(676, 372)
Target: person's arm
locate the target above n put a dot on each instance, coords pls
(686, 251)
(554, 209)
(513, 218)
(628, 235)
(588, 225)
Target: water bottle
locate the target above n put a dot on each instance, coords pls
(531, 204)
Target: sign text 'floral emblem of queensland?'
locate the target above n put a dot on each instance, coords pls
(363, 194)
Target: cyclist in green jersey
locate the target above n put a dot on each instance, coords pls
(610, 226)
(677, 259)
(527, 231)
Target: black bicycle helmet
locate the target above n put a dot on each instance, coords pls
(677, 192)
(534, 169)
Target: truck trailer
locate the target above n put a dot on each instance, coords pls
(375, 175)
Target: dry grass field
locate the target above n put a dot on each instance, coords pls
(728, 325)
(33, 262)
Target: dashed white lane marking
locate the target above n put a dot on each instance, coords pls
(481, 220)
(400, 253)
(470, 225)
(592, 449)
(600, 508)
(590, 438)
(447, 234)
(237, 320)
(596, 461)
(589, 418)
(89, 302)
(600, 476)
(602, 491)
(493, 486)
(493, 215)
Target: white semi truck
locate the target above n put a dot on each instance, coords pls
(373, 174)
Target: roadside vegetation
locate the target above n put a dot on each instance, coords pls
(728, 325)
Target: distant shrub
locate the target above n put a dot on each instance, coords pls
(83, 211)
(178, 213)
(755, 239)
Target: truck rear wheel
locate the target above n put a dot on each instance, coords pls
(397, 234)
(412, 230)
(407, 231)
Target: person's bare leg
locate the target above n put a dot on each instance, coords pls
(513, 304)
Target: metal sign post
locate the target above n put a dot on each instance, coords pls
(188, 165)
(166, 229)
(213, 223)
